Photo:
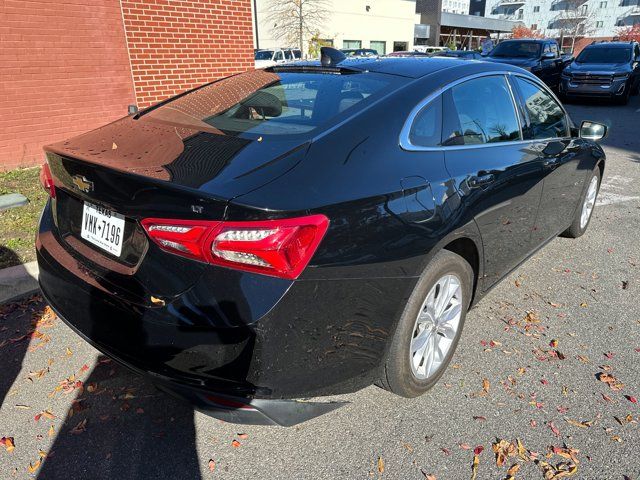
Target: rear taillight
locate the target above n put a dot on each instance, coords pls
(281, 248)
(46, 180)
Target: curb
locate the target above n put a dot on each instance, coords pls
(18, 281)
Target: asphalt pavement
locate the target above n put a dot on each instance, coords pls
(558, 343)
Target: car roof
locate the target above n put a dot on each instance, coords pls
(611, 44)
(528, 40)
(412, 67)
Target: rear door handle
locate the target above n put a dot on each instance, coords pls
(480, 180)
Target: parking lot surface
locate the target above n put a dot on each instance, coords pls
(551, 357)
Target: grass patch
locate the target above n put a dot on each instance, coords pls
(18, 225)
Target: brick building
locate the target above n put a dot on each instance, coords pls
(73, 66)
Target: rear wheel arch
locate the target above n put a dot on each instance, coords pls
(467, 249)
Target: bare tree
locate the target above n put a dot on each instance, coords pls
(575, 20)
(293, 20)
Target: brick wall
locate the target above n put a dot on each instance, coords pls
(64, 69)
(65, 66)
(175, 45)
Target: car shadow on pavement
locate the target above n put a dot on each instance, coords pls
(14, 333)
(121, 426)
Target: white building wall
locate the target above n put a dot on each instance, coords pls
(385, 21)
(604, 17)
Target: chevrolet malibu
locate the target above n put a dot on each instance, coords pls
(309, 229)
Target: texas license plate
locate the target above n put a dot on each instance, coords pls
(104, 228)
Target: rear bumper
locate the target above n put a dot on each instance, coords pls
(291, 340)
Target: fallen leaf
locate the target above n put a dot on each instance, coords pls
(465, 446)
(478, 450)
(45, 414)
(212, 465)
(485, 385)
(243, 436)
(554, 429)
(631, 398)
(235, 444)
(51, 431)
(480, 418)
(380, 465)
(428, 476)
(8, 443)
(610, 380)
(578, 424)
(513, 470)
(114, 146)
(68, 352)
(79, 428)
(553, 343)
(33, 467)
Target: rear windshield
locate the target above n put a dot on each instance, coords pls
(516, 49)
(604, 55)
(266, 103)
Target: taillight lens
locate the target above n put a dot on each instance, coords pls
(46, 180)
(281, 248)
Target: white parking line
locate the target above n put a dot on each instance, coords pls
(609, 190)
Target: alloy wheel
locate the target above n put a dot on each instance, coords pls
(589, 202)
(436, 327)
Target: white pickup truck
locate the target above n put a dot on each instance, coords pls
(269, 57)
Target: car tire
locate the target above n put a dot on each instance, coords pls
(624, 99)
(580, 223)
(401, 374)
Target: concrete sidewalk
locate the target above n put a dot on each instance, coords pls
(18, 281)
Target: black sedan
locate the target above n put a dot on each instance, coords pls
(309, 229)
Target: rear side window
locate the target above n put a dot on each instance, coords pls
(426, 127)
(479, 111)
(546, 117)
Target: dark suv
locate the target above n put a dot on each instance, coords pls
(607, 69)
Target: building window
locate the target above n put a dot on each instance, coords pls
(534, 26)
(536, 9)
(599, 24)
(379, 46)
(603, 4)
(520, 14)
(400, 46)
(351, 44)
(584, 9)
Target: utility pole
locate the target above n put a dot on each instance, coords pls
(255, 20)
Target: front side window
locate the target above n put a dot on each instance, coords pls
(479, 111)
(279, 56)
(546, 117)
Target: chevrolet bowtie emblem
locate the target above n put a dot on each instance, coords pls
(82, 183)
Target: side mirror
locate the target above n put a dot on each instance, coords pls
(593, 130)
(548, 56)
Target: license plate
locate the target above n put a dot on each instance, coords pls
(104, 228)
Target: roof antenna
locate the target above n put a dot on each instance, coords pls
(330, 57)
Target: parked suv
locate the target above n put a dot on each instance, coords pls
(542, 57)
(607, 69)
